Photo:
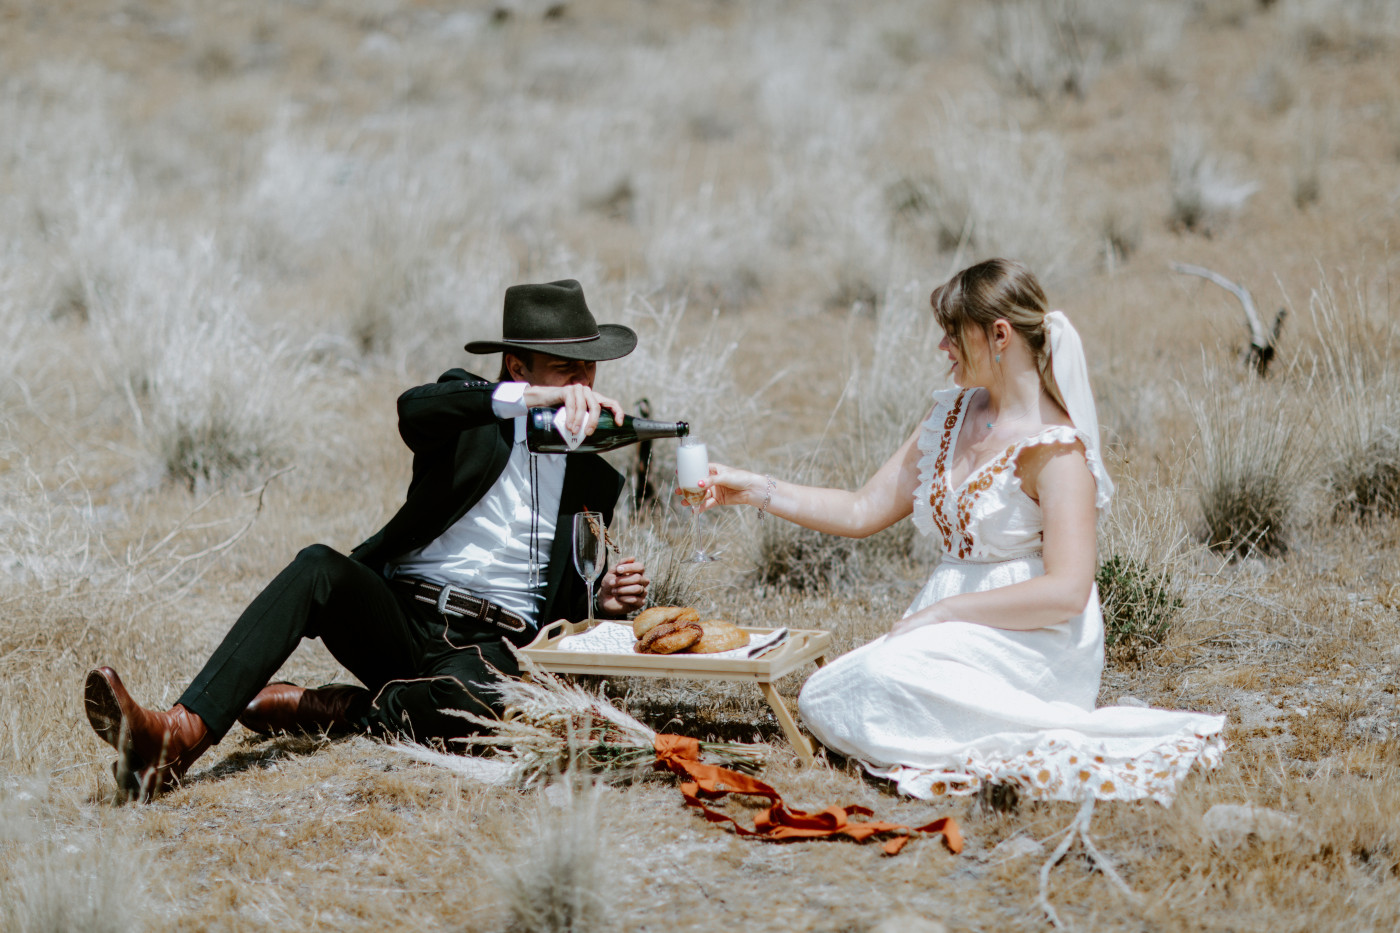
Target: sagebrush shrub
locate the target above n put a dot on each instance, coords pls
(1247, 512)
(1359, 355)
(1365, 480)
(1253, 466)
(1139, 604)
(1205, 191)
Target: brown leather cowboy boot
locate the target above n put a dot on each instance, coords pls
(284, 707)
(156, 748)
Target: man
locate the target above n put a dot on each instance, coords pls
(477, 556)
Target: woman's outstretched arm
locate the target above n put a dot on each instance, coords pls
(1060, 477)
(885, 498)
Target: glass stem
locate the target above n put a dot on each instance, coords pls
(695, 529)
(589, 584)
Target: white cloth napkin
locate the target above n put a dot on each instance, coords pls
(617, 638)
(571, 438)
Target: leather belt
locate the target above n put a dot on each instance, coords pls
(455, 601)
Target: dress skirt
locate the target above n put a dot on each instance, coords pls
(946, 707)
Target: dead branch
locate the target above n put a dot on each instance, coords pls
(1078, 829)
(228, 542)
(1262, 342)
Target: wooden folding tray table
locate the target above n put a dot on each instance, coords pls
(802, 646)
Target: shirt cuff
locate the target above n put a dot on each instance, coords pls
(508, 401)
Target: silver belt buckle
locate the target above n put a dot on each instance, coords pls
(444, 595)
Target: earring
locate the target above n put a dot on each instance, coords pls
(998, 357)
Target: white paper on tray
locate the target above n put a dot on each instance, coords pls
(617, 638)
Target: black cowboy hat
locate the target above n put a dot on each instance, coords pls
(554, 319)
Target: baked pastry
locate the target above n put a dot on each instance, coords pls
(719, 635)
(650, 618)
(669, 637)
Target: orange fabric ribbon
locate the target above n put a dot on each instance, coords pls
(681, 756)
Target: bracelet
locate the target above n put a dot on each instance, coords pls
(767, 498)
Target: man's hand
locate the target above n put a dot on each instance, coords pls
(624, 588)
(581, 405)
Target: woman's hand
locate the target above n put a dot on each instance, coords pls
(728, 486)
(931, 615)
(580, 403)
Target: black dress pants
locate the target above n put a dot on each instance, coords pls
(415, 664)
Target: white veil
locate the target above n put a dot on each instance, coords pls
(1071, 374)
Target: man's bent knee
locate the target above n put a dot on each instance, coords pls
(322, 559)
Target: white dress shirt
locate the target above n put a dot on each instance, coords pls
(487, 550)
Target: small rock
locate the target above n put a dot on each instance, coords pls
(1230, 826)
(1126, 700)
(1017, 846)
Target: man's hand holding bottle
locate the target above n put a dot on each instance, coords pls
(581, 405)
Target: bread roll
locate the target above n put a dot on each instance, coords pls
(669, 637)
(650, 618)
(719, 635)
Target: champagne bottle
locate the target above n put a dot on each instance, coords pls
(542, 437)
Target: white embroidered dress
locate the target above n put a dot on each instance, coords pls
(945, 707)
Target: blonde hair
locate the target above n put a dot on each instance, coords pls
(991, 291)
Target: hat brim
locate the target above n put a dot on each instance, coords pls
(614, 341)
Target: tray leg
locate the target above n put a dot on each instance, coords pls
(800, 743)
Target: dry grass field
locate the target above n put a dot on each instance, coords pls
(232, 233)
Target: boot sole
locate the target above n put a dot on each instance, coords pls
(104, 713)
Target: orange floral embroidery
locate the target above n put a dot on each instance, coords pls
(938, 496)
(968, 497)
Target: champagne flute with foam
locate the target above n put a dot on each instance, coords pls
(693, 466)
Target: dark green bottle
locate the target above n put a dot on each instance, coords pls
(542, 438)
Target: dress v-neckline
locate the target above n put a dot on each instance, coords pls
(955, 433)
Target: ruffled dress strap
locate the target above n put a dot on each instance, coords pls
(1065, 434)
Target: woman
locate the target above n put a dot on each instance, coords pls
(992, 674)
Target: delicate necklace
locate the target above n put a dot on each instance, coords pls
(1034, 405)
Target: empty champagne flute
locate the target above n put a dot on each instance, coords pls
(588, 551)
(693, 466)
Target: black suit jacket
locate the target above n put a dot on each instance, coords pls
(460, 449)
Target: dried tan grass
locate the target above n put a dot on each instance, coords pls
(191, 193)
(1356, 352)
(561, 874)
